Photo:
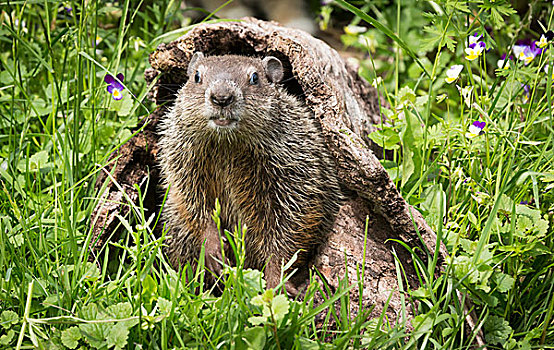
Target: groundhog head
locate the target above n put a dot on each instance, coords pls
(230, 93)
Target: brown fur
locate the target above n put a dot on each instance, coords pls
(271, 169)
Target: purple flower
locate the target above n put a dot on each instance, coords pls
(474, 50)
(527, 53)
(479, 45)
(115, 87)
(475, 129)
(524, 202)
(68, 9)
(480, 125)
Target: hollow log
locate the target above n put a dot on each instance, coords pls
(347, 109)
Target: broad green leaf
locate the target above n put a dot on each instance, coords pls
(255, 337)
(149, 285)
(424, 322)
(253, 280)
(125, 105)
(437, 37)
(406, 96)
(149, 289)
(256, 320)
(40, 107)
(258, 300)
(307, 344)
(503, 282)
(7, 338)
(497, 330)
(387, 138)
(117, 336)
(280, 307)
(70, 337)
(506, 205)
(122, 311)
(164, 306)
(408, 166)
(94, 333)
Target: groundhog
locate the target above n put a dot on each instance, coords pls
(235, 135)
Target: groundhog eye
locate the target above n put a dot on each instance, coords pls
(254, 79)
(197, 78)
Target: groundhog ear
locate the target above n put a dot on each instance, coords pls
(192, 64)
(273, 68)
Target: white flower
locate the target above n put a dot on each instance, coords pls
(500, 64)
(543, 41)
(474, 38)
(466, 94)
(441, 97)
(376, 82)
(526, 53)
(474, 50)
(475, 129)
(453, 73)
(353, 30)
(20, 24)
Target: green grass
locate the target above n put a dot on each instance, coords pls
(58, 125)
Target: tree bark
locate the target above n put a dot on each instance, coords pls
(347, 109)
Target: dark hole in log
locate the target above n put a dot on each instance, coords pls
(170, 82)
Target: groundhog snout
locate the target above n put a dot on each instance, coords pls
(222, 95)
(222, 100)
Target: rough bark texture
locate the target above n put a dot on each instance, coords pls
(347, 109)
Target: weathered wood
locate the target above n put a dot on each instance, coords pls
(347, 109)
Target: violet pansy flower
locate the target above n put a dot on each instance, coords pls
(475, 129)
(527, 53)
(475, 50)
(115, 87)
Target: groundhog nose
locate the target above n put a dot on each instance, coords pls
(222, 100)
